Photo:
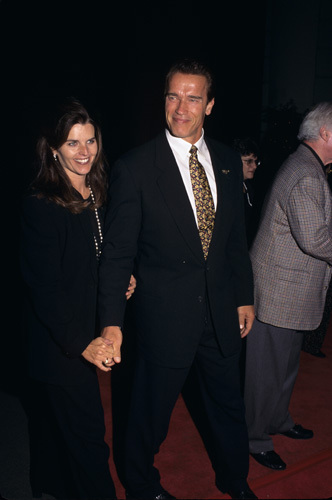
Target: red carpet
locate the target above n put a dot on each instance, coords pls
(185, 468)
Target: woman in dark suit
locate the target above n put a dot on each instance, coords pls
(61, 245)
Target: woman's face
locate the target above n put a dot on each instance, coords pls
(79, 151)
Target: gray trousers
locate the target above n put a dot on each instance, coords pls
(272, 363)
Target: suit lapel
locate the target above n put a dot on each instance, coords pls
(174, 193)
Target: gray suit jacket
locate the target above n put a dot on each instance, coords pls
(292, 252)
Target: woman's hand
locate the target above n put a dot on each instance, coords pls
(131, 287)
(100, 352)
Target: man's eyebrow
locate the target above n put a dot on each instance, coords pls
(196, 97)
(190, 96)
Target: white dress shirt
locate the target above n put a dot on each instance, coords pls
(181, 151)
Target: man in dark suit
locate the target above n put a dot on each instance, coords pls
(176, 221)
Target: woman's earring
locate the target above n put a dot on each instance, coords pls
(55, 157)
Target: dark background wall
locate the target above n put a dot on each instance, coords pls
(114, 55)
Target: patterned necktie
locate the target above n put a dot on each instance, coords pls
(203, 200)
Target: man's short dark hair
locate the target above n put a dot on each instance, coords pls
(192, 67)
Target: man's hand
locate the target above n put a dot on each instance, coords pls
(246, 318)
(114, 335)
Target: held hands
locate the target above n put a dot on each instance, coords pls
(100, 352)
(246, 318)
(108, 345)
(113, 335)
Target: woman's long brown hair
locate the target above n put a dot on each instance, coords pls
(51, 181)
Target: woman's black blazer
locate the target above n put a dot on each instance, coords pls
(59, 269)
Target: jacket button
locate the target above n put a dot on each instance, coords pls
(200, 298)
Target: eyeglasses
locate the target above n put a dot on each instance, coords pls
(251, 161)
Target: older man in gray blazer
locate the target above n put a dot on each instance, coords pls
(291, 258)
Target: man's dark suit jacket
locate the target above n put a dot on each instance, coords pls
(59, 268)
(151, 232)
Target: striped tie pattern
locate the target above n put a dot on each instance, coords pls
(203, 200)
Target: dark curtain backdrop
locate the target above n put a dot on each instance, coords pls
(114, 56)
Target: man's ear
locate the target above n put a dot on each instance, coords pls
(325, 134)
(209, 107)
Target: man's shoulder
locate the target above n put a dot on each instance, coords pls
(219, 146)
(144, 151)
(303, 157)
(299, 165)
(222, 153)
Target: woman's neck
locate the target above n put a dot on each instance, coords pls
(82, 188)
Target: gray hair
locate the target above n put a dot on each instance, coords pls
(319, 116)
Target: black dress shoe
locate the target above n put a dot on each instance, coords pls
(269, 459)
(298, 432)
(318, 354)
(163, 495)
(242, 494)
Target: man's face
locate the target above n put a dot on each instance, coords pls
(328, 147)
(187, 105)
(250, 164)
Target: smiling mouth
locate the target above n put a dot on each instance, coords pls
(180, 120)
(83, 161)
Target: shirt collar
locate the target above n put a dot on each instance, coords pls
(181, 146)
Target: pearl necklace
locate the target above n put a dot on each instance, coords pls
(97, 245)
